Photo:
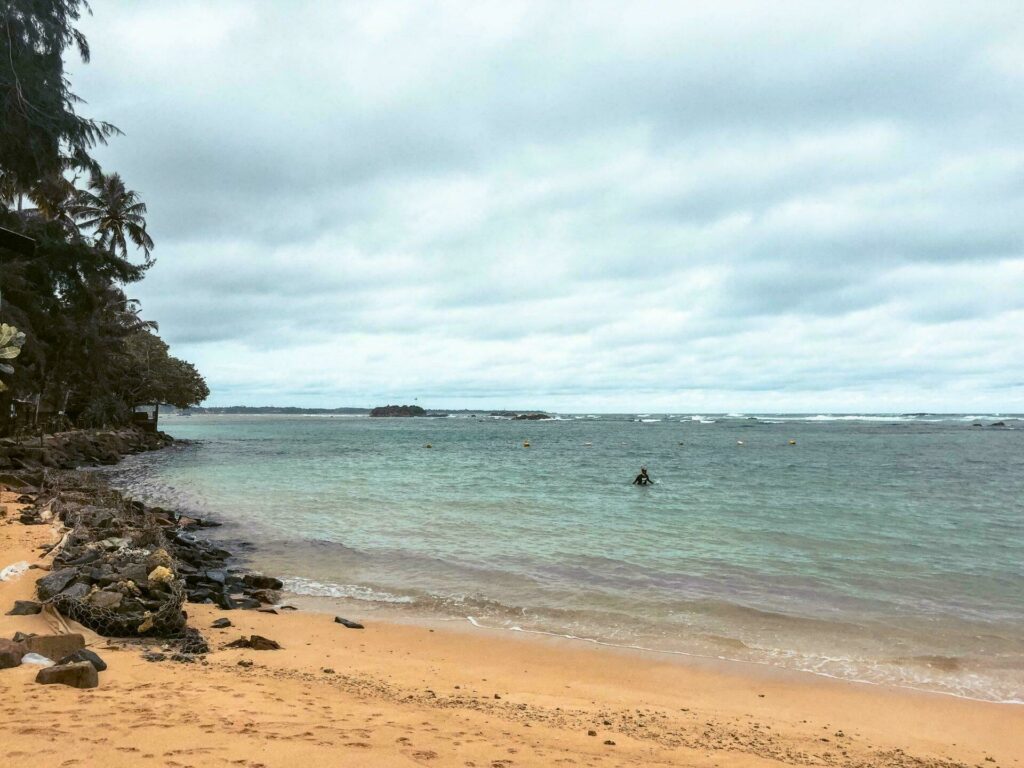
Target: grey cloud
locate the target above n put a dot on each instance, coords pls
(625, 205)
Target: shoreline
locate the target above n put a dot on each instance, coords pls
(470, 625)
(457, 694)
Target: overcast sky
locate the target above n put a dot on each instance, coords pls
(671, 206)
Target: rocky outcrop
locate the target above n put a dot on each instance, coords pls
(398, 410)
(123, 569)
(68, 450)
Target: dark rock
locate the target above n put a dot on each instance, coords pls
(49, 586)
(185, 658)
(247, 603)
(259, 581)
(80, 674)
(223, 623)
(256, 643)
(287, 608)
(347, 623)
(217, 576)
(154, 656)
(55, 646)
(11, 653)
(397, 410)
(76, 592)
(244, 663)
(25, 608)
(85, 655)
(267, 596)
(266, 610)
(998, 424)
(22, 637)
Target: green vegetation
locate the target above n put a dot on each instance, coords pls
(86, 356)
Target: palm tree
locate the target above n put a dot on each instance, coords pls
(117, 214)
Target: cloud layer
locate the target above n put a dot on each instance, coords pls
(579, 206)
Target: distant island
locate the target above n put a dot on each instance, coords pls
(516, 416)
(398, 410)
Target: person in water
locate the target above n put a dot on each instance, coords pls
(643, 478)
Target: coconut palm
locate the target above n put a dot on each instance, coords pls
(117, 214)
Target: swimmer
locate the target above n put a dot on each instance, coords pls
(643, 478)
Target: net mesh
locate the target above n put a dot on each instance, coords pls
(108, 529)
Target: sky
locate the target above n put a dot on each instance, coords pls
(661, 207)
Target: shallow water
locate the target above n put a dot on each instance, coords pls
(886, 549)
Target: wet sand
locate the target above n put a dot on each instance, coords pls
(402, 695)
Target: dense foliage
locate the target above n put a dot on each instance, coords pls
(86, 356)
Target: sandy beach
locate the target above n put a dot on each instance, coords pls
(394, 694)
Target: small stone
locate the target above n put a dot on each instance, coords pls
(85, 655)
(222, 623)
(255, 642)
(25, 608)
(244, 663)
(328, 671)
(266, 610)
(258, 643)
(154, 656)
(80, 674)
(591, 733)
(609, 742)
(347, 623)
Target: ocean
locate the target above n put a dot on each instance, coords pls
(886, 549)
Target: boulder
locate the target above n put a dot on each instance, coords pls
(55, 646)
(11, 653)
(222, 623)
(80, 674)
(49, 586)
(268, 596)
(347, 623)
(259, 581)
(25, 608)
(84, 655)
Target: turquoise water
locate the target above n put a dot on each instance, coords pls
(886, 549)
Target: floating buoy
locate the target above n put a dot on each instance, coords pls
(792, 442)
(428, 445)
(588, 444)
(526, 443)
(739, 442)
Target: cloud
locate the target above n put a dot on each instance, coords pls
(581, 206)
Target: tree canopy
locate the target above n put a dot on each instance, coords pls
(86, 355)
